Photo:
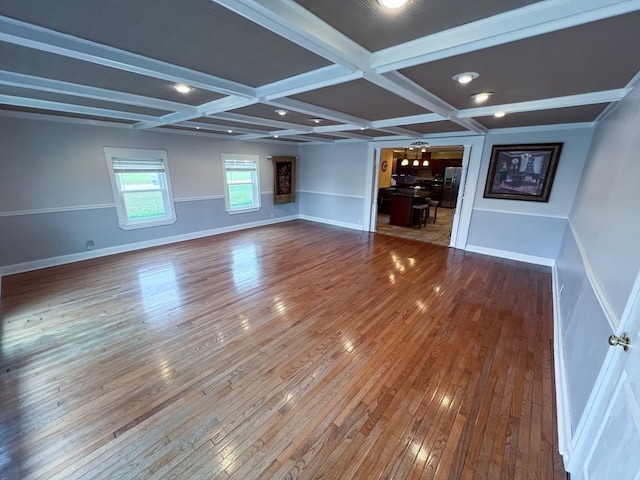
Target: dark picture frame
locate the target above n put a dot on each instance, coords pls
(284, 180)
(522, 172)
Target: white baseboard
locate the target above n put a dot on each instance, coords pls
(520, 257)
(335, 223)
(102, 252)
(563, 410)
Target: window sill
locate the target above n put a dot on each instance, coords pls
(147, 223)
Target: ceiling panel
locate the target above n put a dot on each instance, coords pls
(362, 99)
(376, 27)
(572, 61)
(583, 113)
(196, 34)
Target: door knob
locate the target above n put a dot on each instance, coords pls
(622, 340)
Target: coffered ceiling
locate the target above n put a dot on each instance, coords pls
(343, 70)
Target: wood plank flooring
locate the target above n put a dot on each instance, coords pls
(291, 351)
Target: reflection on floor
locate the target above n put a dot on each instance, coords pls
(438, 233)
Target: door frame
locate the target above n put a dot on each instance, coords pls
(471, 159)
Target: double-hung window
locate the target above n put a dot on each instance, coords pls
(241, 182)
(141, 187)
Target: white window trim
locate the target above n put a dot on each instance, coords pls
(112, 154)
(227, 206)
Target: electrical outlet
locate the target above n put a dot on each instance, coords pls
(90, 245)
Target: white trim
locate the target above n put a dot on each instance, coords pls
(257, 194)
(335, 223)
(332, 194)
(37, 211)
(612, 318)
(531, 214)
(563, 410)
(103, 252)
(520, 257)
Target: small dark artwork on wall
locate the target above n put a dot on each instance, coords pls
(522, 172)
(284, 169)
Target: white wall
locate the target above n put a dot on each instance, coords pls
(599, 259)
(529, 230)
(332, 183)
(55, 192)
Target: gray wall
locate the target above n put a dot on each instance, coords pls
(332, 183)
(599, 259)
(530, 228)
(55, 192)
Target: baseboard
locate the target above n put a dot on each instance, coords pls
(563, 411)
(335, 223)
(102, 252)
(520, 257)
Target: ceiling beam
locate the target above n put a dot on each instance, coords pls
(320, 78)
(39, 38)
(66, 88)
(77, 109)
(536, 19)
(289, 20)
(547, 103)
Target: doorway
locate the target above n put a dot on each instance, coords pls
(417, 192)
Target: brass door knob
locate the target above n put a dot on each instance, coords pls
(622, 340)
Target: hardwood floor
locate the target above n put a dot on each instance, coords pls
(291, 351)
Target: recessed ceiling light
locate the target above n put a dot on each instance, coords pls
(182, 88)
(423, 150)
(392, 3)
(197, 128)
(465, 77)
(317, 120)
(481, 97)
(281, 112)
(362, 128)
(275, 136)
(499, 114)
(229, 131)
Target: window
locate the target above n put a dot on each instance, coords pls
(241, 183)
(141, 187)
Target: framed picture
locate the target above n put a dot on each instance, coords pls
(522, 172)
(284, 178)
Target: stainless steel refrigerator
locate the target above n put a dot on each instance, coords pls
(451, 186)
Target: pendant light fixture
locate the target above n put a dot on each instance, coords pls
(405, 160)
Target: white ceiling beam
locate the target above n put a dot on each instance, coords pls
(319, 112)
(289, 20)
(239, 118)
(78, 109)
(320, 78)
(32, 36)
(536, 19)
(547, 103)
(296, 24)
(410, 120)
(210, 108)
(217, 127)
(66, 88)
